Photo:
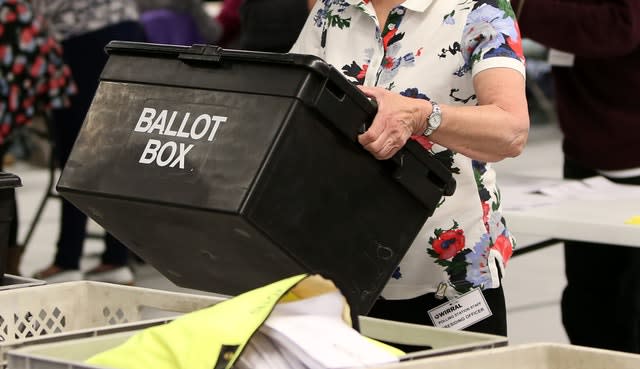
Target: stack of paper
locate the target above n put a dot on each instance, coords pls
(311, 333)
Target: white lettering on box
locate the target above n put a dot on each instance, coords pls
(194, 127)
(145, 120)
(154, 121)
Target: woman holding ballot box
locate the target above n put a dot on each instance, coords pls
(449, 75)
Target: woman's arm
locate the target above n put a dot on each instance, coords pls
(495, 129)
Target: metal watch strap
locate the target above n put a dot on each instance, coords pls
(436, 111)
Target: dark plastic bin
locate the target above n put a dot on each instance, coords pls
(8, 183)
(270, 183)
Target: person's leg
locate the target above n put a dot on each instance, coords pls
(113, 266)
(67, 124)
(601, 301)
(86, 60)
(13, 252)
(115, 252)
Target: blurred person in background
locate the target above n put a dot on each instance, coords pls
(33, 80)
(596, 59)
(272, 25)
(84, 27)
(186, 22)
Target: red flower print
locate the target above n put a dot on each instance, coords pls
(504, 247)
(516, 45)
(485, 214)
(449, 243)
(26, 36)
(388, 62)
(13, 98)
(38, 64)
(388, 36)
(17, 67)
(9, 17)
(22, 9)
(423, 141)
(363, 72)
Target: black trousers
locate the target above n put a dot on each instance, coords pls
(415, 311)
(86, 57)
(13, 225)
(601, 302)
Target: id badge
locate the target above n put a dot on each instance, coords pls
(461, 312)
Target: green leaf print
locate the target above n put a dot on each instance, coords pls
(442, 262)
(453, 12)
(496, 205)
(338, 21)
(458, 264)
(505, 6)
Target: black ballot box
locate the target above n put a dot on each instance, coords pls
(8, 183)
(227, 170)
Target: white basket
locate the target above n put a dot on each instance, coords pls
(72, 354)
(10, 282)
(528, 356)
(82, 309)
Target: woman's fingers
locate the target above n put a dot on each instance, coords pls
(383, 140)
(391, 127)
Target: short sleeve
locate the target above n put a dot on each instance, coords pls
(491, 38)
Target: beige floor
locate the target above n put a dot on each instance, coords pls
(533, 283)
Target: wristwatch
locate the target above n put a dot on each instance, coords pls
(434, 119)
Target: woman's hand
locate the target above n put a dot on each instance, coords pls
(398, 118)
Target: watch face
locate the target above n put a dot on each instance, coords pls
(435, 120)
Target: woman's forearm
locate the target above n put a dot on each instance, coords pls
(495, 129)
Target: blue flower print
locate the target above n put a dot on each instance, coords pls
(479, 166)
(496, 226)
(478, 273)
(393, 62)
(485, 30)
(449, 19)
(415, 93)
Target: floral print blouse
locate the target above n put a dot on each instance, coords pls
(431, 49)
(33, 75)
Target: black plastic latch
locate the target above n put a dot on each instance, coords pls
(202, 54)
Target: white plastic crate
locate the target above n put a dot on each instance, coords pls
(72, 354)
(82, 309)
(527, 356)
(9, 282)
